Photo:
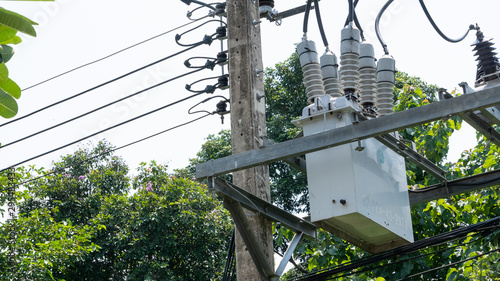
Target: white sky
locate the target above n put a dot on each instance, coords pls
(74, 32)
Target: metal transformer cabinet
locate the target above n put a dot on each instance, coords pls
(357, 191)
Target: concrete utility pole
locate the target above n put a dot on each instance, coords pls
(248, 125)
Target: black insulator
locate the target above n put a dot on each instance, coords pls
(223, 81)
(187, 63)
(188, 87)
(221, 107)
(221, 57)
(221, 32)
(208, 40)
(210, 89)
(210, 64)
(488, 62)
(220, 9)
(266, 3)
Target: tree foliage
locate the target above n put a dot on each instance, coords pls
(89, 220)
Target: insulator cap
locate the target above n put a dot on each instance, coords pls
(307, 52)
(366, 56)
(350, 39)
(386, 69)
(329, 65)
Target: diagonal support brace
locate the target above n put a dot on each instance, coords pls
(251, 242)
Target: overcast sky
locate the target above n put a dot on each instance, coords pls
(72, 33)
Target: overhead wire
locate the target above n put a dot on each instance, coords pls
(100, 85)
(377, 26)
(104, 130)
(429, 17)
(113, 150)
(113, 54)
(99, 108)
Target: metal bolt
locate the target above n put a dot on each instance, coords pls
(343, 202)
(339, 115)
(333, 201)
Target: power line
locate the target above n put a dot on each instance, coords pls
(103, 84)
(104, 130)
(99, 108)
(114, 149)
(113, 54)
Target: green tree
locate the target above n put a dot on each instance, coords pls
(152, 227)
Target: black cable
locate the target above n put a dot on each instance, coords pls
(112, 150)
(210, 6)
(188, 2)
(377, 26)
(471, 27)
(99, 86)
(102, 131)
(113, 54)
(99, 108)
(204, 101)
(306, 17)
(320, 24)
(450, 264)
(356, 21)
(220, 32)
(351, 10)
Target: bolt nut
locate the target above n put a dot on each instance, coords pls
(343, 202)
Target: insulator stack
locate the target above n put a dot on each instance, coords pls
(488, 64)
(386, 77)
(368, 78)
(349, 61)
(311, 70)
(266, 6)
(329, 70)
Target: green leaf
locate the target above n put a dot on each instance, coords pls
(4, 72)
(11, 88)
(7, 53)
(8, 105)
(17, 22)
(6, 34)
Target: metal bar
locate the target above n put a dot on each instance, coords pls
(264, 208)
(367, 129)
(296, 162)
(291, 12)
(248, 236)
(481, 126)
(412, 156)
(455, 187)
(288, 253)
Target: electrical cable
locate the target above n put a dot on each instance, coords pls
(439, 238)
(208, 39)
(377, 26)
(320, 24)
(351, 11)
(113, 54)
(104, 130)
(215, 11)
(97, 109)
(356, 21)
(99, 86)
(112, 150)
(306, 17)
(450, 264)
(188, 2)
(471, 27)
(203, 101)
(222, 82)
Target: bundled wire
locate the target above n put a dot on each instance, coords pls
(326, 274)
(220, 33)
(471, 27)
(318, 18)
(59, 171)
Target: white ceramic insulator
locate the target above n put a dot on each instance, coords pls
(386, 77)
(329, 70)
(349, 59)
(349, 72)
(367, 75)
(311, 70)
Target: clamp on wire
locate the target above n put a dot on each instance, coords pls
(222, 83)
(220, 33)
(221, 107)
(219, 10)
(210, 63)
